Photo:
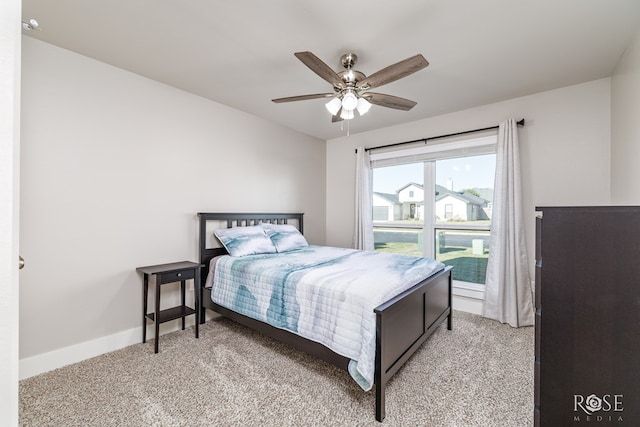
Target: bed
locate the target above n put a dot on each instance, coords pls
(402, 322)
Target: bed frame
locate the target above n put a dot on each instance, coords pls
(402, 324)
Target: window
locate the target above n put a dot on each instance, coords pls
(394, 229)
(448, 211)
(439, 207)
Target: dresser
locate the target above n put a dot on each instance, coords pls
(587, 337)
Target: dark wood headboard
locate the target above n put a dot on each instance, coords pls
(236, 220)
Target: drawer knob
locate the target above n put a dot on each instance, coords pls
(179, 274)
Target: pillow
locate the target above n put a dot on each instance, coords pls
(285, 237)
(241, 241)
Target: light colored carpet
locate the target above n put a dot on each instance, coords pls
(479, 374)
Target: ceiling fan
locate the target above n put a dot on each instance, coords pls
(351, 87)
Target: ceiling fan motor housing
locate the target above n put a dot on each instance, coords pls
(350, 77)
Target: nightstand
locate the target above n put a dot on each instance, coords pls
(170, 273)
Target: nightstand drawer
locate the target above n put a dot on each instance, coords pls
(176, 276)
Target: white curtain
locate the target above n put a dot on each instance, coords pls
(508, 294)
(363, 230)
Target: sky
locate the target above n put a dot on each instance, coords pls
(465, 172)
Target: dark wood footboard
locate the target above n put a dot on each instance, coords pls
(402, 323)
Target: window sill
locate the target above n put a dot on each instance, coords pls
(468, 290)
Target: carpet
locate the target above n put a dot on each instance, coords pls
(478, 374)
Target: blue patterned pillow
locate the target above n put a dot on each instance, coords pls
(285, 237)
(240, 241)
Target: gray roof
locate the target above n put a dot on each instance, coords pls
(393, 198)
(442, 192)
(486, 194)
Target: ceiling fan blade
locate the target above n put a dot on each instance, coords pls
(389, 101)
(320, 68)
(303, 97)
(394, 72)
(337, 117)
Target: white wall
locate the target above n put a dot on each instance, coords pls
(625, 127)
(114, 169)
(565, 152)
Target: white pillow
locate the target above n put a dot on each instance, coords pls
(241, 241)
(285, 237)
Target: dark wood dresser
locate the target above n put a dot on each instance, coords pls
(587, 340)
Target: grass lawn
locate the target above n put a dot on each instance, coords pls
(404, 248)
(466, 266)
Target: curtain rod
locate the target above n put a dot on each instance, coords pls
(519, 123)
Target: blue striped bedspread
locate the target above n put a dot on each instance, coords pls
(321, 293)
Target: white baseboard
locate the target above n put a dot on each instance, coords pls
(45, 362)
(467, 297)
(49, 361)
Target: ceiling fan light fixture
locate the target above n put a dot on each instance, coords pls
(30, 25)
(349, 101)
(334, 105)
(347, 114)
(363, 106)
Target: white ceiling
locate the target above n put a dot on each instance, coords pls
(240, 53)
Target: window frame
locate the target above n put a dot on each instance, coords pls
(428, 155)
